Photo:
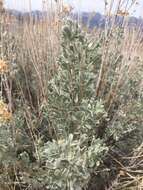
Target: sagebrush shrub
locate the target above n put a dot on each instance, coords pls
(62, 142)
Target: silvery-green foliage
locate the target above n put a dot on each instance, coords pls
(69, 121)
(72, 106)
(6, 145)
(68, 162)
(74, 114)
(7, 153)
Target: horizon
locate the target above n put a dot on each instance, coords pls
(79, 6)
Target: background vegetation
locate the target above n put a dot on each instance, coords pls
(71, 101)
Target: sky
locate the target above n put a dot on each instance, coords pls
(82, 5)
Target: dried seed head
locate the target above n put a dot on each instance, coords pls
(3, 67)
(5, 115)
(122, 13)
(67, 8)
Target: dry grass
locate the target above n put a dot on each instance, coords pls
(34, 50)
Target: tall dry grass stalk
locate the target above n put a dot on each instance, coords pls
(128, 47)
(38, 41)
(30, 47)
(35, 47)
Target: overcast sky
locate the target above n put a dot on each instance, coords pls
(83, 5)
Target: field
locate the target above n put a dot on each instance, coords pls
(71, 100)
